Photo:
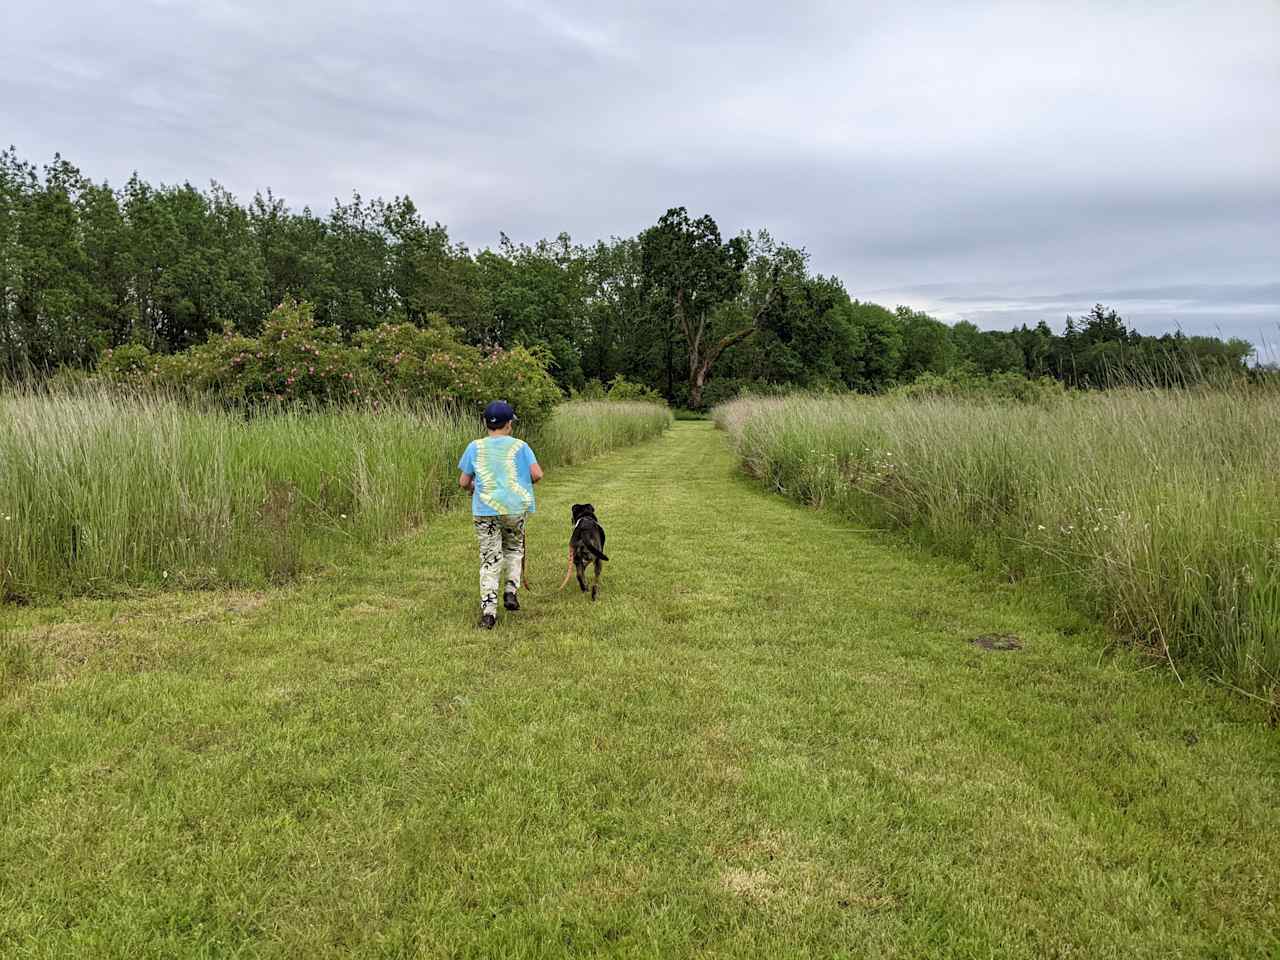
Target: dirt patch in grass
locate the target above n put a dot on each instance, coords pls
(721, 756)
(780, 870)
(616, 883)
(998, 641)
(757, 886)
(377, 605)
(803, 885)
(68, 646)
(238, 604)
(64, 649)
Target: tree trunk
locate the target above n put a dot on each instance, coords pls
(671, 382)
(699, 361)
(696, 382)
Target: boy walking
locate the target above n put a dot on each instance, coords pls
(500, 471)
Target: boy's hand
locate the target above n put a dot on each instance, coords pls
(466, 481)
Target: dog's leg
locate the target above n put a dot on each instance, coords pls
(582, 581)
(595, 582)
(568, 571)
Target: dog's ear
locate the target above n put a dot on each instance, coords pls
(588, 508)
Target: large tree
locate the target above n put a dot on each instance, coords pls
(713, 294)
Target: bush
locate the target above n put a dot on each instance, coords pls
(593, 389)
(294, 359)
(722, 390)
(620, 388)
(126, 362)
(997, 387)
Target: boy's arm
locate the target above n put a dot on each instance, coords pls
(535, 471)
(467, 467)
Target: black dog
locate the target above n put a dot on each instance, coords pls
(586, 545)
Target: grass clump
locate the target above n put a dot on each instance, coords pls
(1159, 510)
(100, 490)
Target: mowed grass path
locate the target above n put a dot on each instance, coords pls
(769, 738)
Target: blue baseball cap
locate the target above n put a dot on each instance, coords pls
(498, 413)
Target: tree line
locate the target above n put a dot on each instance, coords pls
(85, 267)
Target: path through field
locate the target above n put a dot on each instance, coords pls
(771, 737)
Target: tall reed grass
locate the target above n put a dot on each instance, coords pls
(100, 490)
(1158, 510)
(584, 429)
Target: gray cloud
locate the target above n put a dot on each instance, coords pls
(966, 159)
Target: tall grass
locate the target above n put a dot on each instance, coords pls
(1159, 510)
(587, 428)
(100, 490)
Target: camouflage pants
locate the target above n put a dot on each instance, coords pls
(501, 549)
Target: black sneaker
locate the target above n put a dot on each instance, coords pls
(488, 621)
(510, 602)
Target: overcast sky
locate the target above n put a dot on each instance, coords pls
(993, 162)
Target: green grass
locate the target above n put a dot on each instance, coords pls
(1158, 512)
(769, 738)
(585, 429)
(101, 491)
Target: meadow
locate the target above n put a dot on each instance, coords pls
(773, 735)
(102, 490)
(1157, 512)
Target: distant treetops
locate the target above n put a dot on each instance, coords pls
(259, 300)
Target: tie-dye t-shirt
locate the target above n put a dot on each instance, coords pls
(501, 468)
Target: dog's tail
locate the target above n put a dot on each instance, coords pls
(593, 552)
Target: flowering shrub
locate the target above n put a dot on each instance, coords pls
(520, 377)
(419, 361)
(126, 362)
(295, 359)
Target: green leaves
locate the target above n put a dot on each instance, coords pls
(713, 295)
(85, 267)
(297, 360)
